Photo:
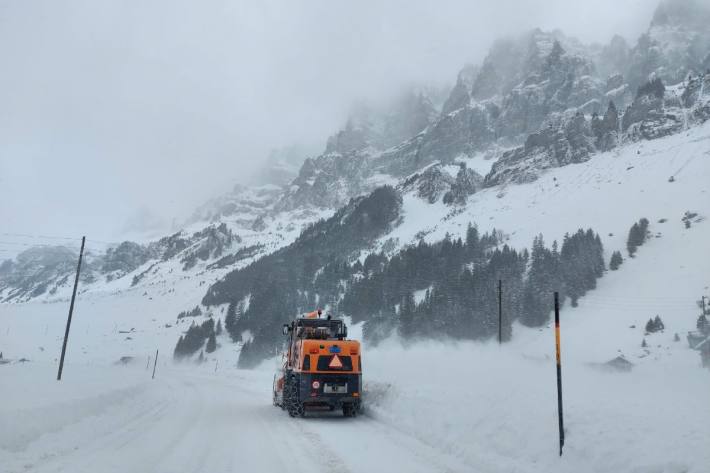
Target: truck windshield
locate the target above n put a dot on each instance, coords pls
(320, 329)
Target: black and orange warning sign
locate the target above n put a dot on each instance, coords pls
(335, 362)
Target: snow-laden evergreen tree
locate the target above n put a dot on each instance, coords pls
(616, 260)
(407, 309)
(659, 323)
(655, 325)
(230, 321)
(637, 236)
(543, 280)
(194, 338)
(632, 240)
(211, 343)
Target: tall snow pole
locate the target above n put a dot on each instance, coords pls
(71, 310)
(500, 312)
(155, 363)
(559, 372)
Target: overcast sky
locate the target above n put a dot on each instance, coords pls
(114, 109)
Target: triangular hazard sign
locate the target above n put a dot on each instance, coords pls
(335, 362)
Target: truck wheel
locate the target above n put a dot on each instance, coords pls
(291, 399)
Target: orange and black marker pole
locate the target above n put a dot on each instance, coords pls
(559, 371)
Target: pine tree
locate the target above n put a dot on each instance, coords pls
(616, 260)
(179, 349)
(201, 358)
(218, 330)
(234, 311)
(543, 280)
(655, 325)
(650, 326)
(632, 240)
(658, 323)
(637, 235)
(676, 337)
(211, 343)
(644, 344)
(407, 309)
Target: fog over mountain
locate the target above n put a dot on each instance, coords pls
(115, 111)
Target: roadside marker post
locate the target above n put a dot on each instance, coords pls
(155, 363)
(559, 372)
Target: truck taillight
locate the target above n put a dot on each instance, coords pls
(315, 384)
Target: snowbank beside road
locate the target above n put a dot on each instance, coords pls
(496, 409)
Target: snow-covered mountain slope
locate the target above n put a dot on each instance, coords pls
(430, 406)
(609, 193)
(201, 252)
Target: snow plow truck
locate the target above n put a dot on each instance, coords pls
(321, 368)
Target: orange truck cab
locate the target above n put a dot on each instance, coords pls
(322, 369)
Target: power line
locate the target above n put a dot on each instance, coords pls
(47, 237)
(53, 237)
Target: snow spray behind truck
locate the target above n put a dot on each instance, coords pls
(322, 369)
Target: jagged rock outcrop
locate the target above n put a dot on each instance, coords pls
(244, 203)
(328, 181)
(124, 258)
(467, 183)
(606, 129)
(646, 118)
(675, 45)
(432, 183)
(410, 114)
(569, 141)
(460, 95)
(36, 271)
(209, 243)
(562, 81)
(341, 172)
(696, 97)
(437, 181)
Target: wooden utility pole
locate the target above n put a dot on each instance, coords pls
(559, 372)
(71, 310)
(500, 312)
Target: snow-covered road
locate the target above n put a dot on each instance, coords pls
(188, 421)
